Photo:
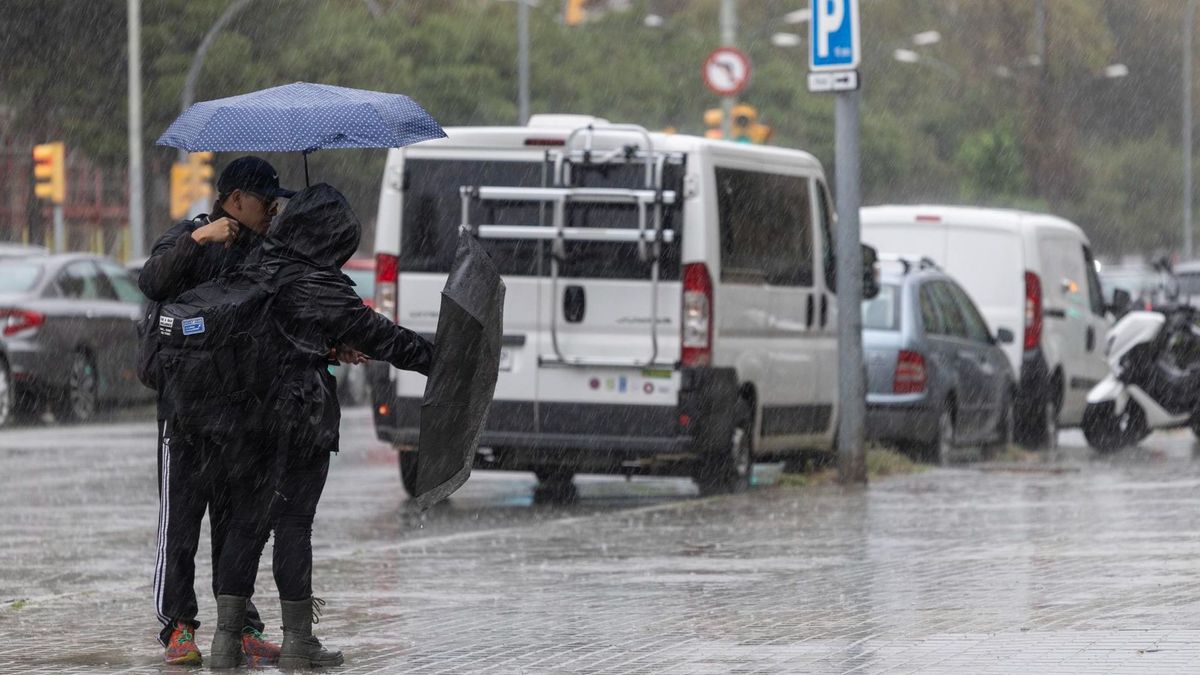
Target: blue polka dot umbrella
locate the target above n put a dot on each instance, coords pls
(302, 117)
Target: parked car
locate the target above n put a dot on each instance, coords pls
(1146, 287)
(669, 304)
(1030, 273)
(9, 250)
(68, 335)
(352, 379)
(937, 377)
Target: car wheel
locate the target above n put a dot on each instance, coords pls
(555, 486)
(728, 470)
(1004, 431)
(941, 450)
(8, 396)
(1107, 431)
(80, 400)
(408, 471)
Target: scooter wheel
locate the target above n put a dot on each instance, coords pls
(1107, 431)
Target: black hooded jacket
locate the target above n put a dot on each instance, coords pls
(319, 310)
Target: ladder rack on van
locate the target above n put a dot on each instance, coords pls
(649, 235)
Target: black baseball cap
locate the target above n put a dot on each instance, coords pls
(252, 174)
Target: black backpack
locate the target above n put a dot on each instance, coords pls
(147, 329)
(218, 347)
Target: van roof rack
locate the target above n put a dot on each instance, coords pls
(649, 200)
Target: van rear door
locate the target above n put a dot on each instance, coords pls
(431, 209)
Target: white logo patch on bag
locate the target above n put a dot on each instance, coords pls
(193, 326)
(165, 325)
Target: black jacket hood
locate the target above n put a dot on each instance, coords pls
(318, 227)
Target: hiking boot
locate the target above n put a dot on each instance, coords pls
(181, 646)
(259, 652)
(226, 649)
(302, 649)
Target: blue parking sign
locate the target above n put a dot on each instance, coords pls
(834, 42)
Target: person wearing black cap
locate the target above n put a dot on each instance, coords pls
(190, 481)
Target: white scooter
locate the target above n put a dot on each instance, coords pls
(1154, 381)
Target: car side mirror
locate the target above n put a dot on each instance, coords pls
(1005, 336)
(1121, 302)
(870, 260)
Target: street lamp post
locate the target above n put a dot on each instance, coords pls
(1189, 24)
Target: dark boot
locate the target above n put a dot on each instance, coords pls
(227, 640)
(302, 649)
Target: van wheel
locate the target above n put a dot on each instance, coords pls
(408, 471)
(80, 400)
(728, 471)
(555, 486)
(1041, 431)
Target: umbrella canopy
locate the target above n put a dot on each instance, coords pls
(302, 117)
(462, 378)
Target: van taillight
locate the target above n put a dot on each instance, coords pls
(697, 315)
(1033, 311)
(386, 274)
(14, 321)
(910, 373)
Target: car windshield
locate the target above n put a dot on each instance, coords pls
(882, 312)
(18, 276)
(1189, 283)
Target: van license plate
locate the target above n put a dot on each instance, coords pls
(506, 359)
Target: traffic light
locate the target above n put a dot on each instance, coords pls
(746, 128)
(712, 120)
(191, 181)
(202, 174)
(49, 172)
(181, 189)
(573, 13)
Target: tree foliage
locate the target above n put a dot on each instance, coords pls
(989, 114)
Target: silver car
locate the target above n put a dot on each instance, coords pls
(936, 377)
(67, 336)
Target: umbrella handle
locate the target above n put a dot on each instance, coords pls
(306, 182)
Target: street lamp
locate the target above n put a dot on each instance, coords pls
(786, 40)
(798, 16)
(653, 21)
(926, 38)
(906, 56)
(1116, 70)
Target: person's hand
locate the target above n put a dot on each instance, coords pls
(348, 355)
(219, 231)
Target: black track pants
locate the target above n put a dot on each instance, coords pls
(191, 480)
(287, 507)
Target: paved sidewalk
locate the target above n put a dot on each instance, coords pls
(1079, 566)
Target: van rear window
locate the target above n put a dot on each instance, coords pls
(433, 210)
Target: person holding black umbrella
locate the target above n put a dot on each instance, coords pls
(188, 254)
(277, 481)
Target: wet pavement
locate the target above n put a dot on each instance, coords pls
(1070, 564)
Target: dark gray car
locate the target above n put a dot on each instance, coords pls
(936, 377)
(67, 336)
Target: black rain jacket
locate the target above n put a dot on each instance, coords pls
(319, 310)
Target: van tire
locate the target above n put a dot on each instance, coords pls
(728, 470)
(556, 485)
(1041, 427)
(408, 471)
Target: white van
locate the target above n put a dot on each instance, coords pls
(669, 306)
(1031, 273)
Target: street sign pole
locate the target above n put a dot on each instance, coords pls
(728, 39)
(60, 230)
(852, 456)
(834, 53)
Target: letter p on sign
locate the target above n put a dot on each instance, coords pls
(834, 43)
